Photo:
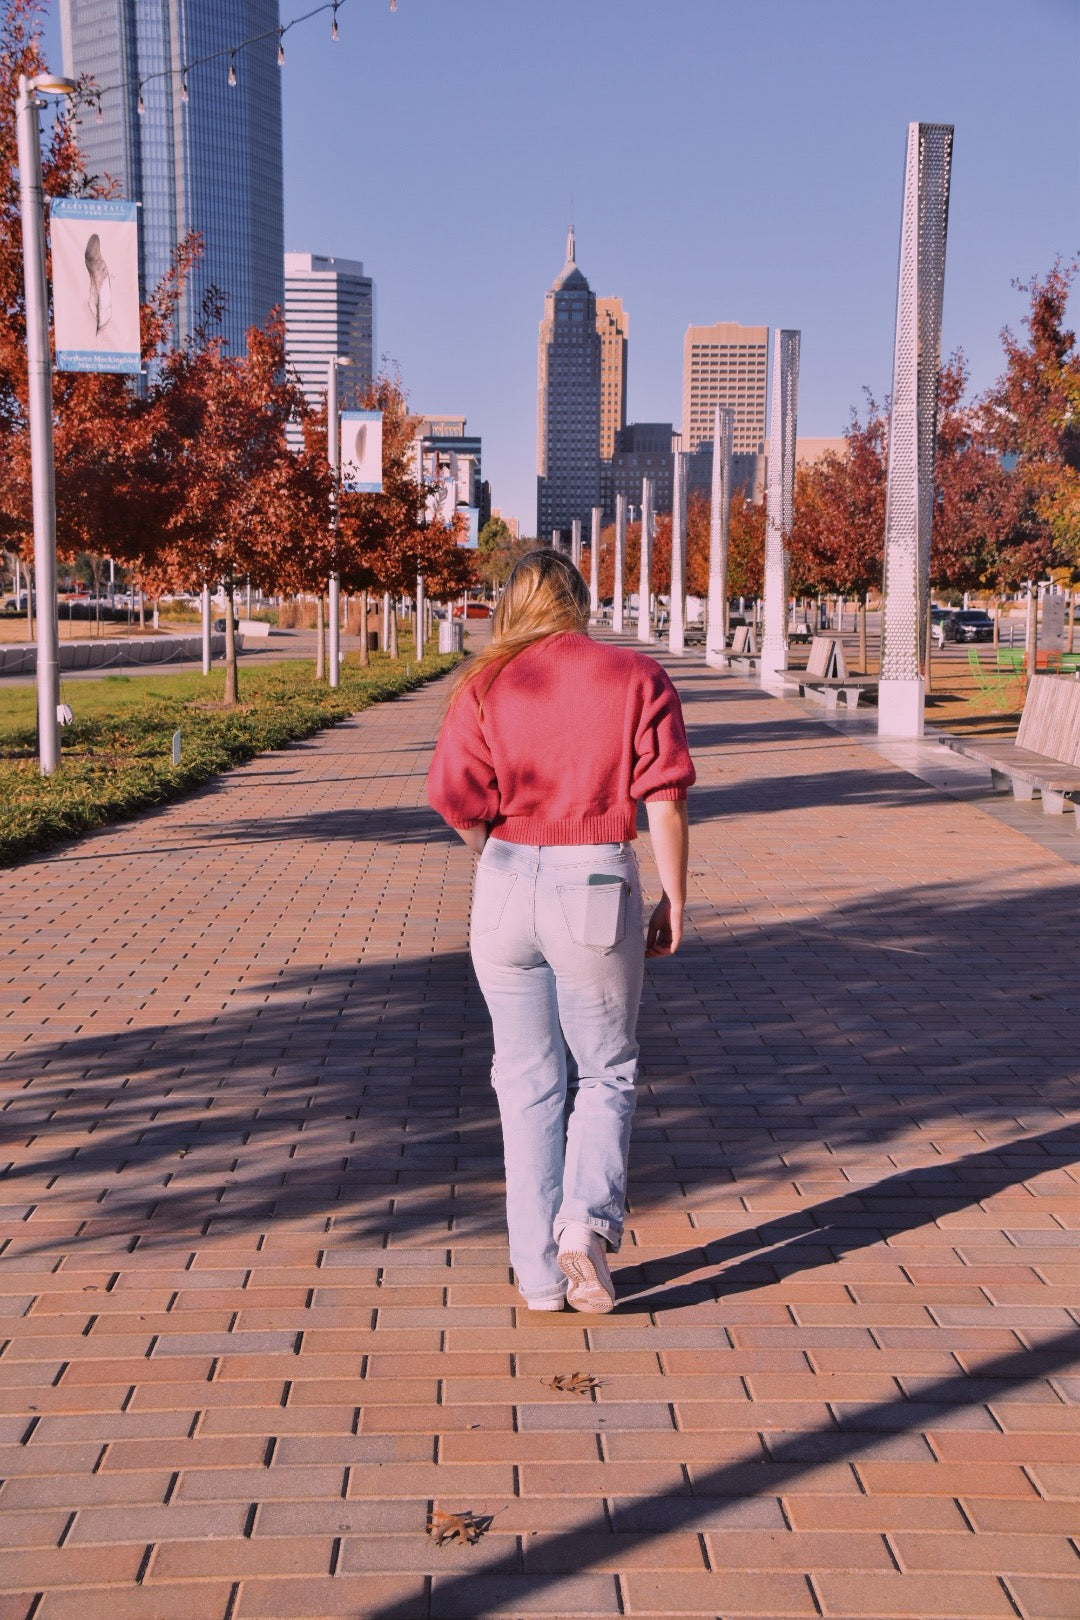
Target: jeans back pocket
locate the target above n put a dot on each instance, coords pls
(595, 913)
(491, 891)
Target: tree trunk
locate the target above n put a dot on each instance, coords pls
(928, 684)
(997, 621)
(1072, 621)
(862, 635)
(232, 689)
(393, 628)
(29, 601)
(320, 639)
(365, 650)
(1031, 659)
(157, 613)
(142, 610)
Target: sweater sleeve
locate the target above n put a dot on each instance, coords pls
(662, 767)
(461, 783)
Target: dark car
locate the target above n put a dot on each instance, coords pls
(970, 624)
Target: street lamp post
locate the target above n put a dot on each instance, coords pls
(333, 452)
(39, 364)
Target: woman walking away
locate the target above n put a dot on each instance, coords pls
(550, 743)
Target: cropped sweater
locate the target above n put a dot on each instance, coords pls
(571, 735)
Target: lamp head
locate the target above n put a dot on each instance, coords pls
(52, 84)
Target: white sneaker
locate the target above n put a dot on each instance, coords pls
(545, 1304)
(583, 1261)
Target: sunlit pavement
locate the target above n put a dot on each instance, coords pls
(257, 1315)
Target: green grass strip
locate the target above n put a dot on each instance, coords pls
(116, 757)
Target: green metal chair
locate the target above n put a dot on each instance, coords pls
(991, 687)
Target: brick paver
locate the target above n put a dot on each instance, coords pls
(256, 1317)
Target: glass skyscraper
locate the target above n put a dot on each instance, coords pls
(204, 154)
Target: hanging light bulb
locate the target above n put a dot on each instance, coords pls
(140, 105)
(183, 85)
(232, 69)
(281, 47)
(334, 34)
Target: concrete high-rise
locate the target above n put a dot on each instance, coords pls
(725, 364)
(203, 153)
(568, 402)
(329, 310)
(613, 325)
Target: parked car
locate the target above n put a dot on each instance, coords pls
(476, 610)
(969, 624)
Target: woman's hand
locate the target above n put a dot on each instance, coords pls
(665, 930)
(475, 837)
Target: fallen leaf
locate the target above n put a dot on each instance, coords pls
(573, 1383)
(467, 1527)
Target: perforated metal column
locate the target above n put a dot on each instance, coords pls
(644, 625)
(594, 562)
(677, 594)
(620, 564)
(719, 533)
(779, 501)
(909, 500)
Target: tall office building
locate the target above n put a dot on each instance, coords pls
(726, 364)
(568, 404)
(204, 154)
(329, 310)
(613, 325)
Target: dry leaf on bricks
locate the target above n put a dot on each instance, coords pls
(573, 1383)
(467, 1527)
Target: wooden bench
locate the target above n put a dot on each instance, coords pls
(1045, 756)
(825, 677)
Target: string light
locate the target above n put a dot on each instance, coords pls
(140, 105)
(95, 93)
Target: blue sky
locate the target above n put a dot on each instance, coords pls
(727, 160)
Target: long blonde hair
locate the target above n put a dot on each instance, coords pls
(545, 595)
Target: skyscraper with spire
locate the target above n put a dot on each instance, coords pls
(568, 402)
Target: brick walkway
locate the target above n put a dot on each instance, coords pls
(256, 1310)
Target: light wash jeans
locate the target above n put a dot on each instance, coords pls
(560, 961)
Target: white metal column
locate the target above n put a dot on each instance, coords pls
(620, 564)
(594, 562)
(644, 623)
(779, 504)
(677, 592)
(909, 491)
(719, 535)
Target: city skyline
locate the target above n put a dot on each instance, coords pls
(802, 231)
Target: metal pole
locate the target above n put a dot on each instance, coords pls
(620, 564)
(419, 617)
(677, 588)
(575, 542)
(43, 472)
(594, 562)
(206, 629)
(333, 456)
(644, 622)
(779, 504)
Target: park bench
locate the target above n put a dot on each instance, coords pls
(1044, 758)
(825, 677)
(743, 650)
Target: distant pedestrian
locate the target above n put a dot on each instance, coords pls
(550, 743)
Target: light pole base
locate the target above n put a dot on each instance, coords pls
(901, 706)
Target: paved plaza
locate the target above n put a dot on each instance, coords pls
(257, 1321)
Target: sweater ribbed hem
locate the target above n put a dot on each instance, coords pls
(670, 793)
(615, 827)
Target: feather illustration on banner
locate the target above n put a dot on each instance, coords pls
(100, 299)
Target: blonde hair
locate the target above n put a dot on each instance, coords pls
(545, 595)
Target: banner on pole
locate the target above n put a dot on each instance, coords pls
(95, 257)
(471, 514)
(361, 452)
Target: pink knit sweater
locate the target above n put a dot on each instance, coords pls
(573, 734)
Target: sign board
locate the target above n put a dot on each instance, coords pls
(95, 258)
(361, 452)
